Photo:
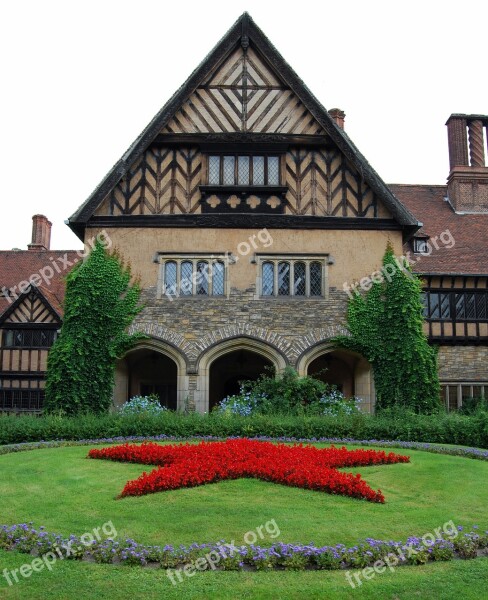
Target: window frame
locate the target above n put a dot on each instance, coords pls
(26, 332)
(292, 259)
(453, 295)
(195, 259)
(420, 240)
(455, 402)
(267, 155)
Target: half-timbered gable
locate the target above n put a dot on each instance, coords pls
(244, 94)
(243, 138)
(27, 331)
(31, 298)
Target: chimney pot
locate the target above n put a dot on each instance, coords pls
(338, 116)
(41, 233)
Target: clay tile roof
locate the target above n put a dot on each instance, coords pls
(469, 254)
(19, 265)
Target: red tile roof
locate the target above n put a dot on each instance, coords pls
(20, 265)
(469, 254)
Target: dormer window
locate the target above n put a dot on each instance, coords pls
(421, 245)
(244, 170)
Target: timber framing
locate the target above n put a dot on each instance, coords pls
(244, 32)
(245, 221)
(34, 310)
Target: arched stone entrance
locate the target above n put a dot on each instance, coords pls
(349, 371)
(223, 365)
(150, 368)
(151, 372)
(336, 368)
(229, 370)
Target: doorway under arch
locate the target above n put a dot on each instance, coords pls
(227, 371)
(336, 368)
(151, 372)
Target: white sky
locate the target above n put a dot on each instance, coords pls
(81, 79)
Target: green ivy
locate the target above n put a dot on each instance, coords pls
(385, 326)
(101, 302)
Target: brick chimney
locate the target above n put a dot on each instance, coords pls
(41, 233)
(467, 184)
(338, 116)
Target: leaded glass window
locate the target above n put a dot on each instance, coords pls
(292, 277)
(258, 170)
(315, 279)
(283, 279)
(273, 170)
(268, 279)
(299, 282)
(186, 279)
(170, 274)
(202, 278)
(244, 170)
(218, 277)
(214, 170)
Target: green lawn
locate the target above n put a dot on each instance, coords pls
(67, 493)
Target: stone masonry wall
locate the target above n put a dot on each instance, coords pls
(193, 324)
(463, 363)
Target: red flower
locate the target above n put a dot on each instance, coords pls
(189, 465)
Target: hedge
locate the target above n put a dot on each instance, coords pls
(443, 428)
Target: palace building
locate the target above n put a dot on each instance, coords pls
(248, 214)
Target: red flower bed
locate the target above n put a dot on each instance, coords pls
(190, 465)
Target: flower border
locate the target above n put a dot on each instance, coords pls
(26, 539)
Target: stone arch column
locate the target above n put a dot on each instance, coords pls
(208, 357)
(122, 370)
(361, 370)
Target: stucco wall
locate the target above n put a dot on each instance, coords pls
(356, 253)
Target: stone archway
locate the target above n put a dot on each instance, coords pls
(229, 370)
(233, 360)
(349, 371)
(152, 367)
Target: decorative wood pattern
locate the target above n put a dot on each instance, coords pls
(31, 309)
(244, 94)
(319, 182)
(322, 182)
(163, 181)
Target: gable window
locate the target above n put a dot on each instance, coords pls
(291, 277)
(191, 276)
(244, 170)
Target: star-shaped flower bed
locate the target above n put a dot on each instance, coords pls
(190, 465)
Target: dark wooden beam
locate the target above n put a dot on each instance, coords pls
(245, 221)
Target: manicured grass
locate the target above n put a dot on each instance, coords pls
(447, 581)
(67, 493)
